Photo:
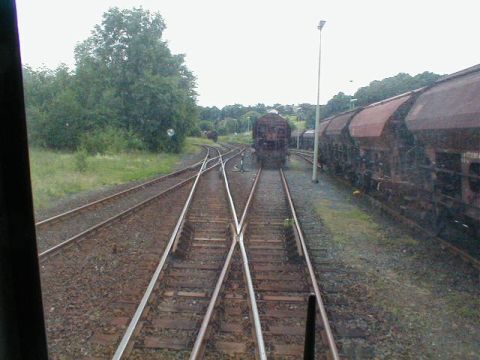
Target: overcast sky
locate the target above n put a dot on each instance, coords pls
(267, 51)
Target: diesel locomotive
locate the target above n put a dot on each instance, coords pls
(271, 134)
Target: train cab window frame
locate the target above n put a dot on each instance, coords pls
(474, 170)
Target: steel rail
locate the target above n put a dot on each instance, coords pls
(148, 292)
(100, 225)
(262, 353)
(198, 347)
(316, 289)
(119, 194)
(465, 256)
(197, 350)
(124, 213)
(229, 194)
(249, 200)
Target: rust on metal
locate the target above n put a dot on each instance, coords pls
(323, 127)
(321, 307)
(371, 121)
(338, 123)
(447, 114)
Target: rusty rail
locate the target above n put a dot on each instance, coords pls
(124, 213)
(143, 303)
(198, 347)
(138, 187)
(323, 314)
(108, 221)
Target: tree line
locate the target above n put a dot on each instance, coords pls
(237, 118)
(378, 90)
(126, 91)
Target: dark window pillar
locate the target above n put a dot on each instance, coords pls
(22, 331)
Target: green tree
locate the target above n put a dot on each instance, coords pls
(337, 104)
(205, 125)
(392, 86)
(138, 83)
(247, 119)
(54, 115)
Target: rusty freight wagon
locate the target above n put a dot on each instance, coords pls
(445, 122)
(271, 134)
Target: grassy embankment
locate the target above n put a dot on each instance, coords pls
(402, 278)
(242, 138)
(55, 174)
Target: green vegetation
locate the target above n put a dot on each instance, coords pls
(126, 91)
(56, 174)
(238, 118)
(243, 138)
(361, 226)
(377, 91)
(402, 281)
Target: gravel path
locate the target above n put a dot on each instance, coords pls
(390, 293)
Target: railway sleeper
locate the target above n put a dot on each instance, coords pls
(184, 241)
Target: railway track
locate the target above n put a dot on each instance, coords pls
(209, 288)
(55, 233)
(444, 243)
(208, 297)
(283, 276)
(170, 315)
(90, 289)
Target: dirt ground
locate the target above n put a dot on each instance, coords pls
(391, 293)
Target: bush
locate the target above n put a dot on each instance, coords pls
(195, 132)
(111, 141)
(81, 160)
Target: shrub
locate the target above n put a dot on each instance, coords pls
(111, 141)
(195, 132)
(81, 159)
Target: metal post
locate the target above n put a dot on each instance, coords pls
(309, 347)
(317, 111)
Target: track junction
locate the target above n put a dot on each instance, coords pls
(207, 262)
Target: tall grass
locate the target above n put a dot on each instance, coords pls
(242, 138)
(58, 174)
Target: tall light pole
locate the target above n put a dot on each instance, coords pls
(317, 111)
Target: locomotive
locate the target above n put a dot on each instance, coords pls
(419, 151)
(212, 135)
(271, 134)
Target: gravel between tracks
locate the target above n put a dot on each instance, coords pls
(90, 291)
(241, 182)
(390, 293)
(50, 235)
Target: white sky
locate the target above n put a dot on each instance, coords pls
(267, 51)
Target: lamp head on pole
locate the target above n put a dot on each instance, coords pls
(321, 24)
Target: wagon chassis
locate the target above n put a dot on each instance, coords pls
(305, 155)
